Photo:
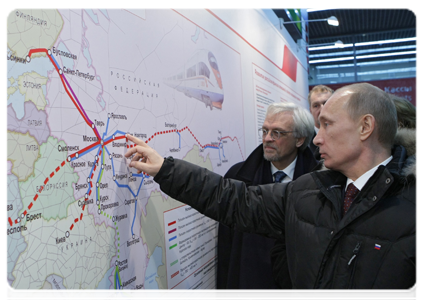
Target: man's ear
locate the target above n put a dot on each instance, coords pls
(367, 126)
(300, 142)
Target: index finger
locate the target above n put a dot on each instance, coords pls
(141, 145)
(136, 140)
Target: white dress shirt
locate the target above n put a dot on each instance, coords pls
(289, 171)
(362, 180)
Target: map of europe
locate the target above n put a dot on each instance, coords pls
(80, 80)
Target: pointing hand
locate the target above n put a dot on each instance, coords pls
(145, 159)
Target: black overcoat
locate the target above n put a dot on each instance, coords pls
(244, 259)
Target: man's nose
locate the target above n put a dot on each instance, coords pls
(267, 137)
(318, 139)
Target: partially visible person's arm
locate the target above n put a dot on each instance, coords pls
(255, 209)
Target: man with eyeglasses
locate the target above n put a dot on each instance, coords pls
(244, 259)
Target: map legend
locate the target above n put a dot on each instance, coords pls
(191, 249)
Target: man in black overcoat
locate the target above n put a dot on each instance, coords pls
(244, 259)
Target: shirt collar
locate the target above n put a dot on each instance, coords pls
(289, 170)
(362, 180)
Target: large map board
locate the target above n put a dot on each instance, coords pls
(78, 81)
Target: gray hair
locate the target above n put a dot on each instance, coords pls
(369, 99)
(303, 120)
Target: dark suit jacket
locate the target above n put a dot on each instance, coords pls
(244, 259)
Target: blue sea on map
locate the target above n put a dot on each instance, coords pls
(78, 217)
(104, 11)
(93, 16)
(15, 70)
(67, 62)
(86, 51)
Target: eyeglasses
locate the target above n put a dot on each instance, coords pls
(274, 134)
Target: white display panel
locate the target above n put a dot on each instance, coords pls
(184, 81)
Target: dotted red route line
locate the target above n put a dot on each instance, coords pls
(42, 187)
(86, 195)
(17, 220)
(96, 162)
(232, 139)
(198, 142)
(37, 194)
(95, 144)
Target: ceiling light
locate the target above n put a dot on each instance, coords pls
(331, 59)
(318, 9)
(368, 63)
(331, 54)
(333, 21)
(340, 44)
(362, 57)
(386, 42)
(337, 44)
(386, 54)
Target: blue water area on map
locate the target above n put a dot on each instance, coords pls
(67, 61)
(151, 273)
(86, 51)
(194, 37)
(105, 282)
(105, 13)
(40, 65)
(92, 15)
(17, 100)
(101, 101)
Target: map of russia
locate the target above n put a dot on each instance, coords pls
(78, 216)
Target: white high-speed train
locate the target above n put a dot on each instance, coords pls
(199, 78)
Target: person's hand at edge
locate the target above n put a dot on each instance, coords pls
(145, 159)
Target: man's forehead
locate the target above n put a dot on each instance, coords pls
(334, 105)
(318, 95)
(345, 92)
(339, 97)
(281, 117)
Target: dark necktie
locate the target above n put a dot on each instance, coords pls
(279, 176)
(350, 194)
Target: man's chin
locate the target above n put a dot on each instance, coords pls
(270, 157)
(328, 165)
(325, 163)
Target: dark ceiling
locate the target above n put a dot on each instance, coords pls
(358, 25)
(363, 25)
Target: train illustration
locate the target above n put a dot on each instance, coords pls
(199, 78)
